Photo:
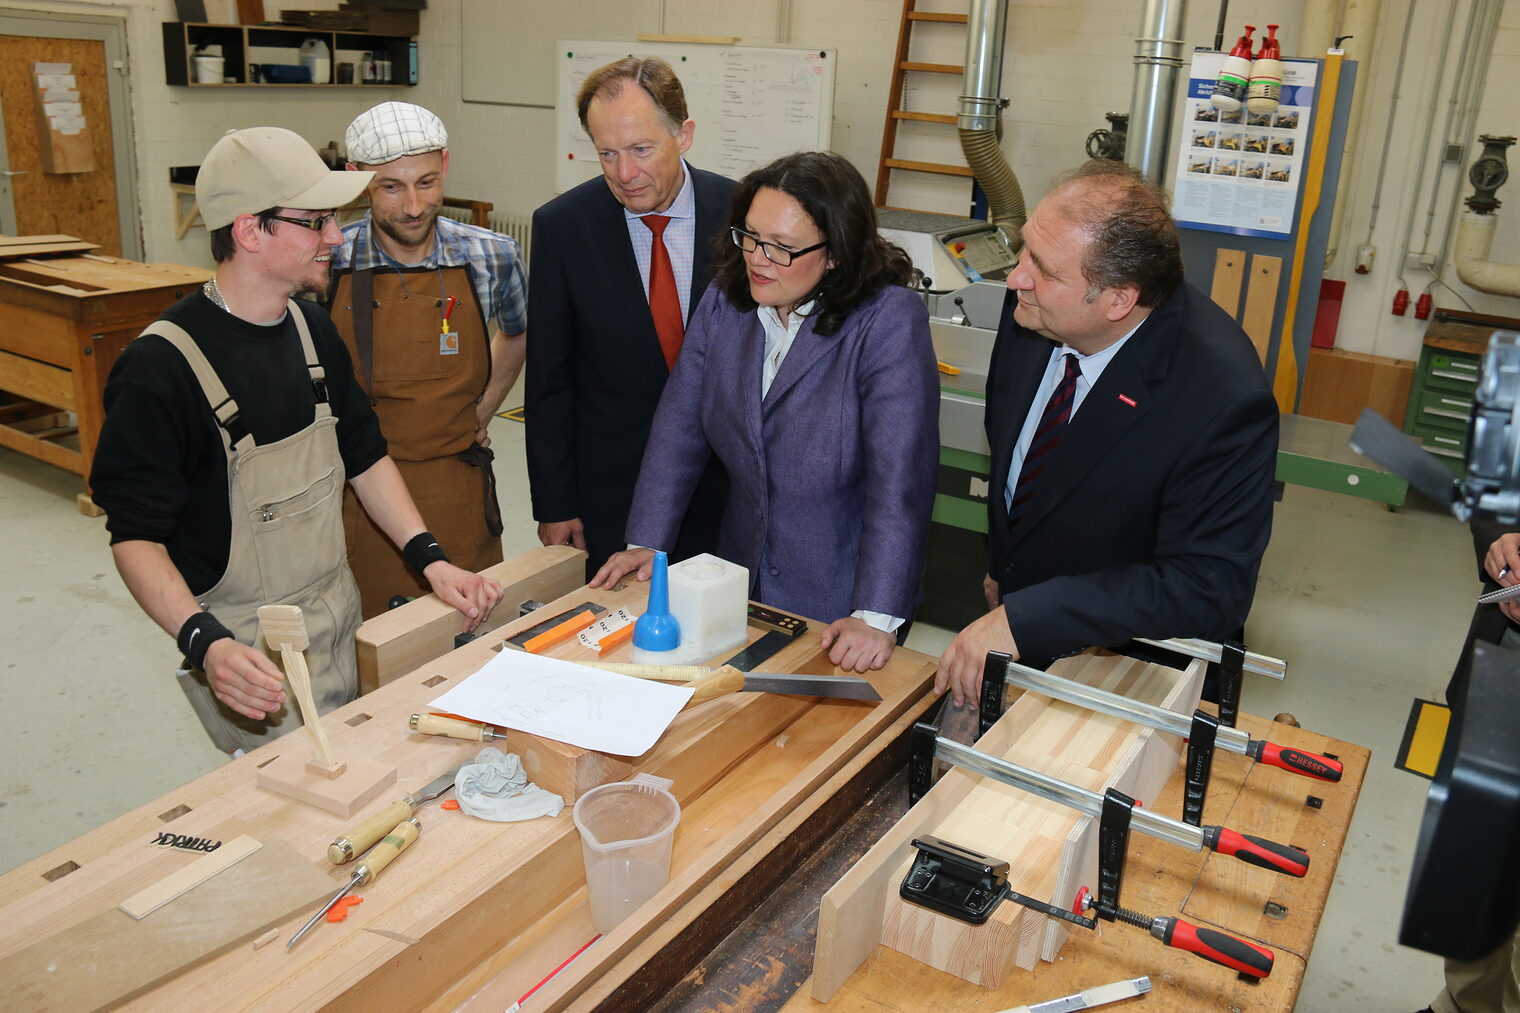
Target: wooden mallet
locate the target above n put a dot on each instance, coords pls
(284, 629)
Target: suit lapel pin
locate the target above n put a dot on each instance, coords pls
(1128, 400)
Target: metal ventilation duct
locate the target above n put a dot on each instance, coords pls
(978, 118)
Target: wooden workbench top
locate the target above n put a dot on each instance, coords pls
(454, 913)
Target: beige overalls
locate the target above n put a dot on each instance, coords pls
(424, 390)
(285, 499)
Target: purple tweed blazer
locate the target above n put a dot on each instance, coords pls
(832, 474)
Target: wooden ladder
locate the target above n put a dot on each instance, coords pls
(901, 68)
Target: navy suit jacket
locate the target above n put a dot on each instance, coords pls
(1151, 518)
(831, 475)
(594, 366)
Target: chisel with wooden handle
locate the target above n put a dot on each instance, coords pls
(454, 728)
(357, 840)
(393, 844)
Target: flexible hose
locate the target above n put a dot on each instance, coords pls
(1005, 198)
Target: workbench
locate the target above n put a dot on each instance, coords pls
(476, 911)
(68, 315)
(765, 963)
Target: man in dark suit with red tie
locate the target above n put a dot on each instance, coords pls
(1133, 436)
(618, 264)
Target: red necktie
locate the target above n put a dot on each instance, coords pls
(664, 297)
(1048, 433)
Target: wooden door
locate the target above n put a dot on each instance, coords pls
(77, 204)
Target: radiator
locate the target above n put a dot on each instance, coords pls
(518, 226)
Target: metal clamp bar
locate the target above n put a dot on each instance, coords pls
(1036, 783)
(1233, 739)
(1207, 650)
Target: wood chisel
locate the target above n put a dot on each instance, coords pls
(393, 844)
(454, 728)
(357, 840)
(1089, 998)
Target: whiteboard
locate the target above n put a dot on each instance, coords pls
(751, 104)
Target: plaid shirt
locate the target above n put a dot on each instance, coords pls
(501, 284)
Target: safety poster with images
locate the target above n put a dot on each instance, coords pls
(1240, 172)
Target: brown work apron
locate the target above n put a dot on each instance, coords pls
(425, 391)
(287, 549)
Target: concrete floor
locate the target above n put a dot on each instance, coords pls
(1368, 606)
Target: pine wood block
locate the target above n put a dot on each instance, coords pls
(568, 771)
(109, 958)
(1050, 847)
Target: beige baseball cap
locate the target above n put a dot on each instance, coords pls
(259, 168)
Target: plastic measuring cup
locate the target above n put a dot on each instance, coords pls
(626, 831)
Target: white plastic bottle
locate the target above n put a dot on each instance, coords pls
(1234, 77)
(1266, 76)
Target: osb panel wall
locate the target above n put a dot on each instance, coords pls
(77, 204)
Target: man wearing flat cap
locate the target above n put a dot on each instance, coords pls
(434, 313)
(231, 426)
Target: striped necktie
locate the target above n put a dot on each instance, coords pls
(1047, 434)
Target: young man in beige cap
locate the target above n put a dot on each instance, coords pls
(434, 313)
(230, 427)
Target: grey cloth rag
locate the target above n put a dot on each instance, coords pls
(495, 787)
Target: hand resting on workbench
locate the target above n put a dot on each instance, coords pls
(473, 595)
(857, 646)
(620, 564)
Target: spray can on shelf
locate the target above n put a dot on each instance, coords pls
(1266, 76)
(1234, 77)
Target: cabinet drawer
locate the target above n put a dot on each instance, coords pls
(1453, 372)
(1440, 441)
(1443, 409)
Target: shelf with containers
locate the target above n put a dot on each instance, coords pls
(250, 54)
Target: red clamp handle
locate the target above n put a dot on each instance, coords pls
(1297, 760)
(1236, 954)
(1257, 851)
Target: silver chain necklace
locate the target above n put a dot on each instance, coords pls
(214, 293)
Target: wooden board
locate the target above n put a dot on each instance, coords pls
(145, 902)
(1052, 848)
(84, 204)
(1229, 274)
(469, 890)
(17, 247)
(1162, 879)
(396, 642)
(1261, 303)
(110, 958)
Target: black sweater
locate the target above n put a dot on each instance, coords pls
(160, 472)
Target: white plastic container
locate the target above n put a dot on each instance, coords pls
(709, 597)
(208, 69)
(316, 58)
(626, 833)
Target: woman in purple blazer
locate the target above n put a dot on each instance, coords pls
(808, 370)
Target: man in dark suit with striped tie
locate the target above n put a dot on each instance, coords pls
(1133, 436)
